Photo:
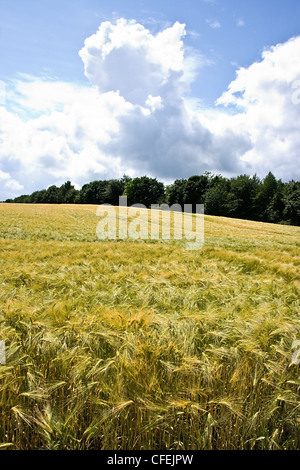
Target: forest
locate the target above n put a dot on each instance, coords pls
(244, 197)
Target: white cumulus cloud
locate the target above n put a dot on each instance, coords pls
(136, 116)
(264, 95)
(126, 57)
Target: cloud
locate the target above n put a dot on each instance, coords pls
(136, 115)
(263, 94)
(9, 183)
(2, 93)
(240, 22)
(214, 24)
(131, 119)
(195, 35)
(126, 57)
(159, 135)
(62, 141)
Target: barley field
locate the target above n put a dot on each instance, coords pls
(143, 344)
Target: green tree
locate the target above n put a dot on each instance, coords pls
(144, 190)
(38, 197)
(114, 189)
(291, 199)
(195, 189)
(216, 197)
(264, 196)
(23, 199)
(175, 193)
(275, 208)
(93, 193)
(68, 193)
(242, 192)
(52, 195)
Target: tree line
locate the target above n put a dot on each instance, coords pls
(244, 197)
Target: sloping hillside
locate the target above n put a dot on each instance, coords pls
(122, 344)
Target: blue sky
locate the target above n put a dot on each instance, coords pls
(39, 47)
(45, 36)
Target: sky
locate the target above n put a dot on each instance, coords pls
(95, 89)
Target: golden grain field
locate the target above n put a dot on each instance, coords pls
(146, 345)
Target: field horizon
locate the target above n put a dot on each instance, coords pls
(136, 345)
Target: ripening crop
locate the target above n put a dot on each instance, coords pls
(123, 344)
